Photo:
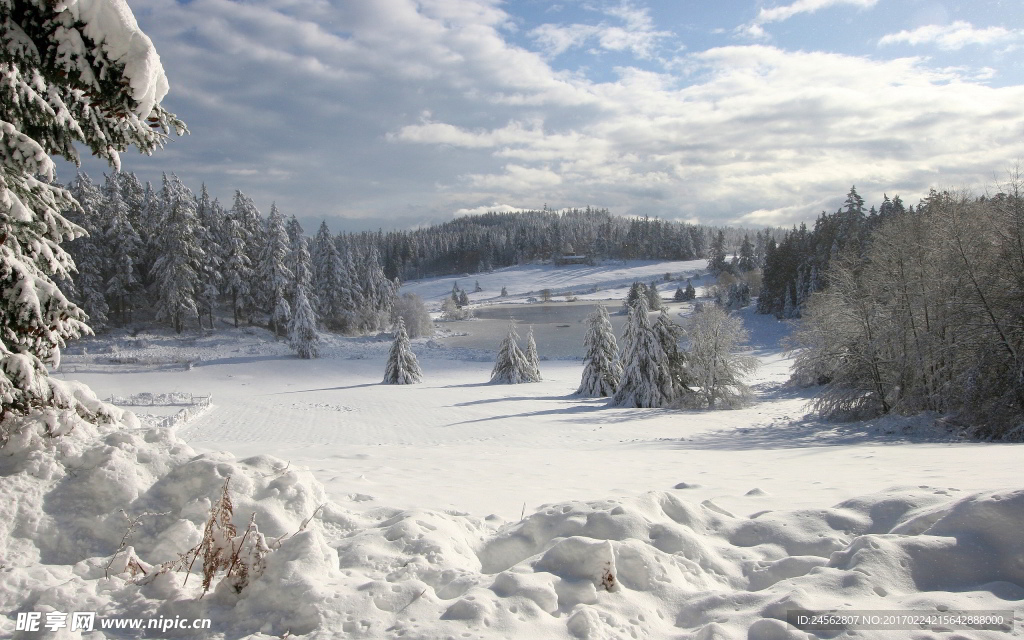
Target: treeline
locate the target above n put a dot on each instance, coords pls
(171, 254)
(478, 243)
(795, 266)
(911, 310)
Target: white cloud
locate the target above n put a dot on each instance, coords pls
(417, 109)
(952, 37)
(636, 33)
(785, 12)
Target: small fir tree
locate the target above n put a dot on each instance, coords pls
(402, 367)
(636, 290)
(689, 293)
(531, 356)
(653, 297)
(511, 366)
(601, 367)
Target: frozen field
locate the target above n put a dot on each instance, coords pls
(463, 509)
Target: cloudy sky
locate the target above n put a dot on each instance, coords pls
(395, 113)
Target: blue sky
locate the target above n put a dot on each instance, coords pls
(394, 113)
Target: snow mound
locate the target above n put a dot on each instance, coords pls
(94, 521)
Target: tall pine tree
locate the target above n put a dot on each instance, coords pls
(275, 276)
(178, 256)
(646, 378)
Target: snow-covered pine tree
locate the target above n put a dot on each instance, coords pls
(747, 261)
(349, 319)
(123, 286)
(689, 293)
(646, 379)
(379, 293)
(296, 248)
(331, 282)
(178, 255)
(680, 295)
(653, 297)
(717, 262)
(89, 251)
(669, 335)
(402, 367)
(301, 262)
(302, 333)
(253, 236)
(274, 274)
(511, 366)
(601, 367)
(67, 75)
(636, 290)
(532, 358)
(236, 270)
(211, 276)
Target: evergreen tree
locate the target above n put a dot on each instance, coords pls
(653, 297)
(124, 243)
(178, 256)
(669, 334)
(332, 282)
(90, 251)
(746, 262)
(680, 295)
(601, 368)
(67, 79)
(252, 234)
(275, 276)
(211, 218)
(717, 262)
(511, 366)
(646, 378)
(689, 293)
(402, 367)
(636, 291)
(532, 358)
(302, 334)
(237, 270)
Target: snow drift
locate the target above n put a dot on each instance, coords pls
(653, 566)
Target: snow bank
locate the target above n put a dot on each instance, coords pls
(653, 566)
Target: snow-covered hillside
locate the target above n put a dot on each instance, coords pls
(455, 508)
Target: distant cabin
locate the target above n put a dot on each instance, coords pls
(571, 259)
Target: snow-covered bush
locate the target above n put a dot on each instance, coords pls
(715, 358)
(413, 312)
(450, 310)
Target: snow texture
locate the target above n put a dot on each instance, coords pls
(381, 508)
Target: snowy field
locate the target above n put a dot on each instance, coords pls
(460, 509)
